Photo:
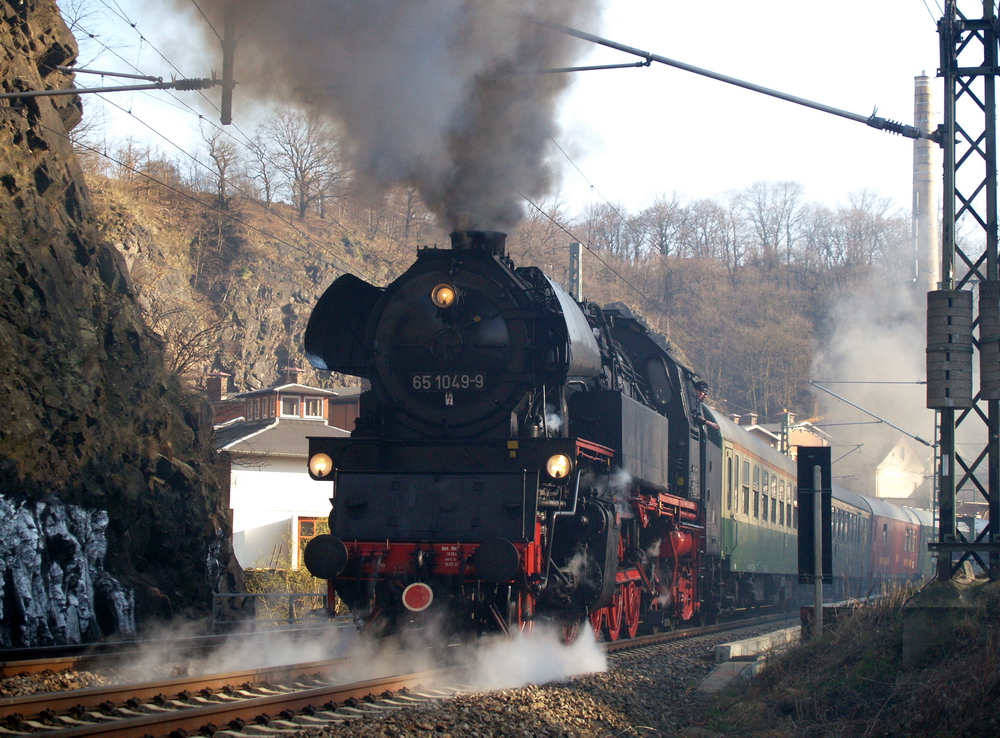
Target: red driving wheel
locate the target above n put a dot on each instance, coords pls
(615, 613)
(632, 599)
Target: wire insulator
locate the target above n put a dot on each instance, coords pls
(883, 124)
(194, 84)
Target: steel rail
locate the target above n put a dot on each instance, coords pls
(95, 655)
(197, 719)
(93, 697)
(679, 635)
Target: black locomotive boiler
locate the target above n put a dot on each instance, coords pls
(524, 458)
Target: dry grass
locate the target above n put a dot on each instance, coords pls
(852, 683)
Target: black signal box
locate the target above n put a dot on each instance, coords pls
(809, 458)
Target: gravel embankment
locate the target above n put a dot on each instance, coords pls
(652, 692)
(19, 686)
(647, 692)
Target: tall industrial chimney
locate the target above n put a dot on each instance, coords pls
(925, 227)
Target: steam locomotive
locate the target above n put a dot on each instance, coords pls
(523, 458)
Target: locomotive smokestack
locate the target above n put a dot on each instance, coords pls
(493, 242)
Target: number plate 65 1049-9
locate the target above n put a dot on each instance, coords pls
(448, 382)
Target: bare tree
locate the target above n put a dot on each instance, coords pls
(260, 165)
(190, 333)
(130, 156)
(718, 232)
(222, 151)
(773, 211)
(539, 241)
(305, 154)
(870, 229)
(416, 216)
(663, 225)
(609, 230)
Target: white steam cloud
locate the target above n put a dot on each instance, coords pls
(553, 420)
(878, 339)
(616, 486)
(495, 663)
(536, 659)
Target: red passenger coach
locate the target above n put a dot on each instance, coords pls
(877, 544)
(894, 538)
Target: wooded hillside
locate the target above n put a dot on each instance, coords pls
(231, 248)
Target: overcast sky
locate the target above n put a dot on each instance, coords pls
(638, 133)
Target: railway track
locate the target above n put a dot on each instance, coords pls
(292, 697)
(111, 655)
(678, 635)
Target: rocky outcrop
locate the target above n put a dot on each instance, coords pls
(90, 418)
(56, 590)
(238, 271)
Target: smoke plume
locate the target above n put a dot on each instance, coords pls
(442, 95)
(877, 341)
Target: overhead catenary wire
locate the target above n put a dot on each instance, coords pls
(343, 266)
(873, 121)
(246, 143)
(133, 25)
(662, 257)
(614, 271)
(207, 20)
(868, 412)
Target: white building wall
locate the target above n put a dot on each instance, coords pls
(267, 497)
(900, 473)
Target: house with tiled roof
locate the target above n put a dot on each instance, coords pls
(785, 436)
(276, 506)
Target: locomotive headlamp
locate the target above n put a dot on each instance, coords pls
(443, 295)
(320, 465)
(559, 466)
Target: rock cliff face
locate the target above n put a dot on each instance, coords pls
(57, 588)
(91, 422)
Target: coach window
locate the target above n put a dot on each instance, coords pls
(781, 495)
(795, 510)
(885, 533)
(764, 492)
(774, 497)
(745, 478)
(729, 483)
(736, 483)
(756, 491)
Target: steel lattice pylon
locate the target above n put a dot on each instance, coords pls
(969, 68)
